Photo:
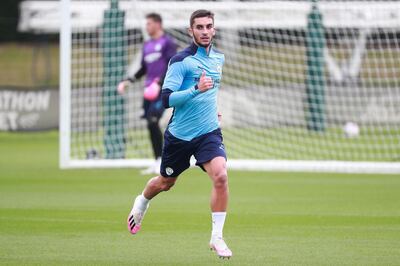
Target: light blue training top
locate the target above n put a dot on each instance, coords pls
(195, 113)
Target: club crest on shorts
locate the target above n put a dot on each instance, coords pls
(169, 170)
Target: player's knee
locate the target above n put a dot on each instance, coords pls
(220, 179)
(160, 183)
(167, 183)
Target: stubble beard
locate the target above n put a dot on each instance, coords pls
(198, 42)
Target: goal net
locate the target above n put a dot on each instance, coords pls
(307, 85)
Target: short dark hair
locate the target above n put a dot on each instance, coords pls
(201, 13)
(155, 17)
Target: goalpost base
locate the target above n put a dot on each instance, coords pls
(260, 165)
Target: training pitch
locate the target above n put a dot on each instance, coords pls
(50, 216)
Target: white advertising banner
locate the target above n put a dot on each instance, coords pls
(28, 110)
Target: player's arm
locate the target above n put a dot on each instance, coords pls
(141, 71)
(171, 97)
(168, 52)
(129, 80)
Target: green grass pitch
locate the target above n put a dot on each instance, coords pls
(50, 216)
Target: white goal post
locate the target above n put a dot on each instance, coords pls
(306, 87)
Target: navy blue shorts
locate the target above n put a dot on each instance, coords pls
(153, 109)
(176, 152)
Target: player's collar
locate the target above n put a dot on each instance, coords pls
(200, 49)
(159, 37)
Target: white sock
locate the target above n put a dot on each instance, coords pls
(218, 220)
(141, 202)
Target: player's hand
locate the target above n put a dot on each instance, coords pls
(121, 86)
(205, 83)
(219, 117)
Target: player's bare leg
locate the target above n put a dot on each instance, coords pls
(154, 186)
(216, 169)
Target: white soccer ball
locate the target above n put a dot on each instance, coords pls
(351, 130)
